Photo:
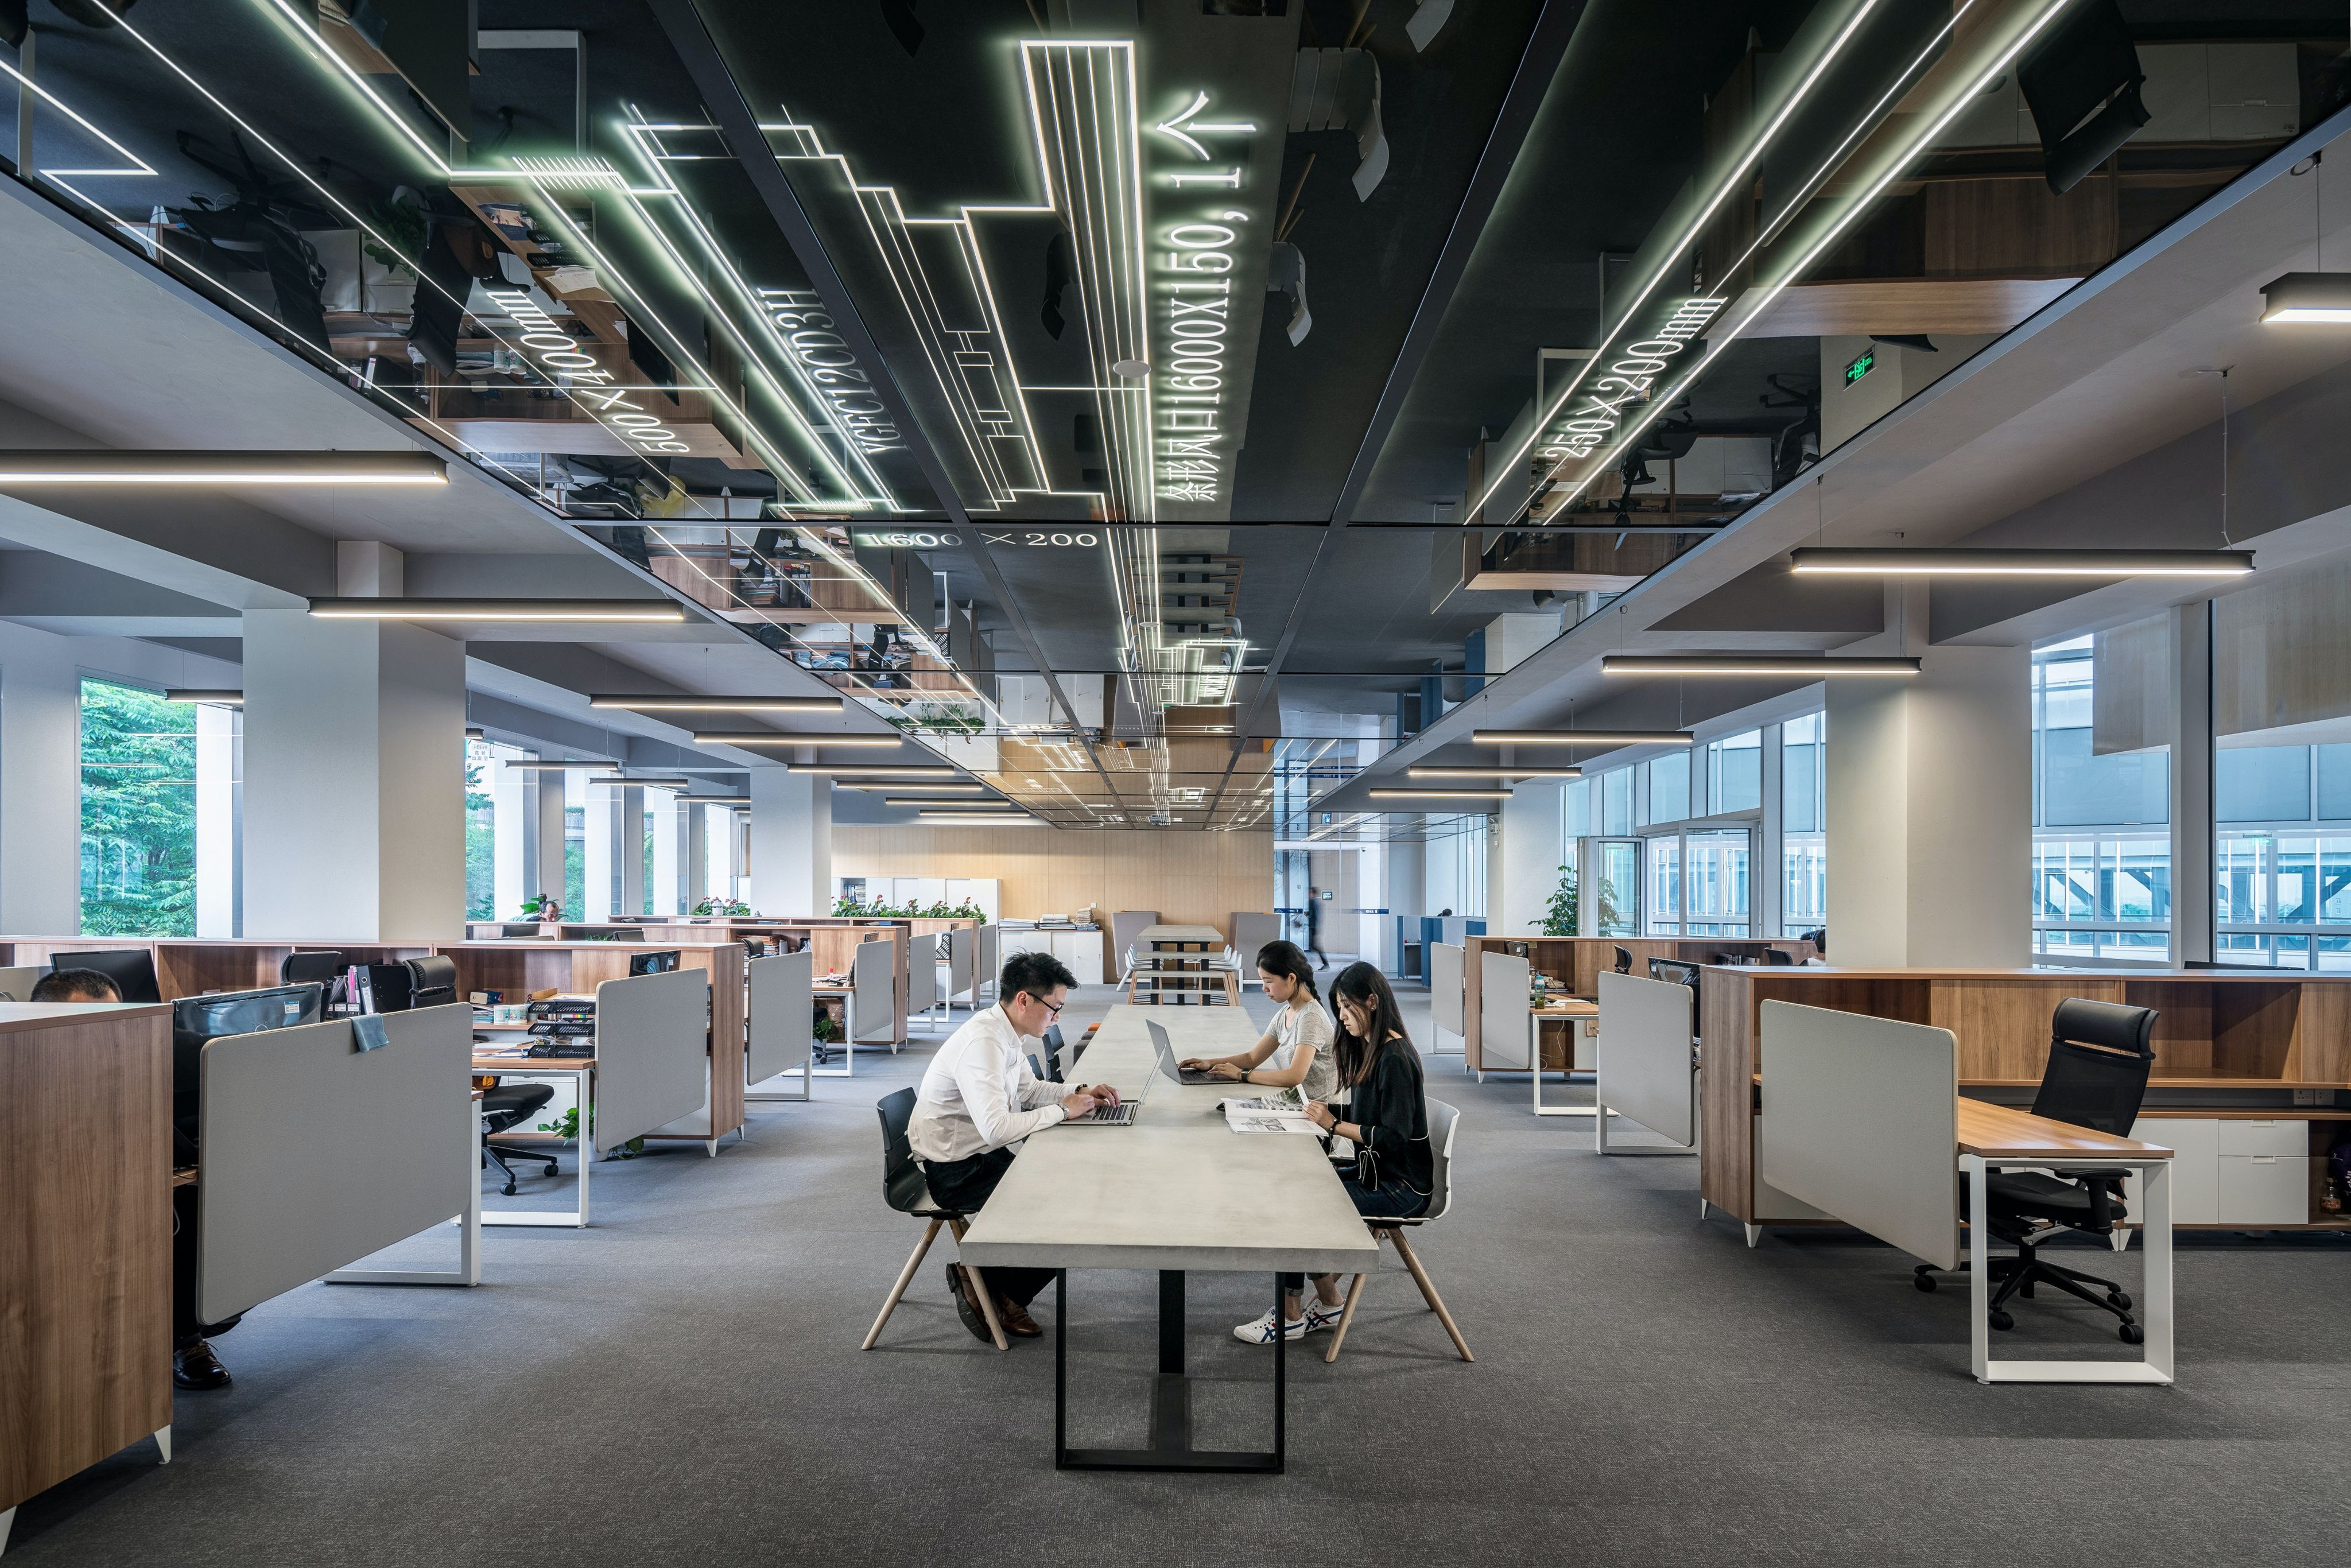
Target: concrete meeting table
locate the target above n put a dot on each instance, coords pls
(1176, 1192)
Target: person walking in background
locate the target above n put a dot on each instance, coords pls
(1314, 928)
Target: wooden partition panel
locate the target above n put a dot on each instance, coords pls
(1578, 962)
(84, 1238)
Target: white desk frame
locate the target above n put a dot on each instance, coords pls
(583, 1079)
(2156, 1365)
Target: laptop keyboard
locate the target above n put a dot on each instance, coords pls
(1121, 1114)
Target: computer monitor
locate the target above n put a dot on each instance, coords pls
(660, 962)
(199, 1019)
(1674, 971)
(132, 970)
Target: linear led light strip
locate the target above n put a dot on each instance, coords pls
(1717, 343)
(873, 492)
(1813, 560)
(639, 132)
(1677, 255)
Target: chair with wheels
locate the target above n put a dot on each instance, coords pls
(1444, 1120)
(1778, 958)
(503, 1108)
(1623, 960)
(904, 1189)
(2100, 1054)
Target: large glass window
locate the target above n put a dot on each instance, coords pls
(1620, 888)
(1669, 788)
(1804, 824)
(575, 844)
(1663, 896)
(1734, 773)
(138, 814)
(2101, 797)
(481, 833)
(1699, 884)
(1616, 802)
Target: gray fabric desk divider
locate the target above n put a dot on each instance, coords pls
(1446, 990)
(1505, 1025)
(873, 1010)
(314, 1155)
(963, 947)
(923, 960)
(989, 965)
(1861, 1120)
(782, 1008)
(652, 1053)
(1644, 1070)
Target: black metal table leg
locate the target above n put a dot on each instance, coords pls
(1170, 1447)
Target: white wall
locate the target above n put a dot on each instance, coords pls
(791, 843)
(1524, 867)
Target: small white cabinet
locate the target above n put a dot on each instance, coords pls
(2230, 1170)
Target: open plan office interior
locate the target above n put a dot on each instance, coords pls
(1174, 780)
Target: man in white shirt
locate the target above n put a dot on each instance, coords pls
(977, 1099)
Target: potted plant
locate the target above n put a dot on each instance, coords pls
(725, 907)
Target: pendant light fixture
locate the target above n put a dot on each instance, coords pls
(1814, 561)
(1580, 737)
(1814, 666)
(2303, 298)
(1442, 770)
(102, 466)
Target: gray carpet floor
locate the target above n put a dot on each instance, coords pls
(682, 1383)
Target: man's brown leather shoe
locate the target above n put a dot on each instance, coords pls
(1016, 1320)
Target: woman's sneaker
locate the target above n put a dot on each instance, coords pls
(1259, 1330)
(1320, 1317)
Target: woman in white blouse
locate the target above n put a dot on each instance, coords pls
(1296, 1051)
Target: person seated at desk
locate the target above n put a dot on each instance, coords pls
(1299, 1044)
(1393, 1172)
(977, 1099)
(193, 1365)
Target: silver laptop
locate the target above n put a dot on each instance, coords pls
(1167, 1050)
(1119, 1115)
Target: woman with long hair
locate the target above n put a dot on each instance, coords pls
(1295, 1052)
(1386, 1119)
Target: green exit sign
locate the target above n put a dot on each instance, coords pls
(1861, 367)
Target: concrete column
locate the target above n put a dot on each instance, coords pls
(220, 820)
(791, 843)
(1523, 864)
(629, 846)
(695, 823)
(514, 870)
(549, 867)
(355, 785)
(40, 788)
(1930, 801)
(596, 902)
(2192, 784)
(1771, 878)
(670, 858)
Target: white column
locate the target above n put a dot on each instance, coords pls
(549, 873)
(791, 841)
(629, 846)
(1522, 867)
(1930, 802)
(516, 805)
(670, 860)
(738, 856)
(41, 789)
(219, 819)
(355, 783)
(694, 825)
(596, 901)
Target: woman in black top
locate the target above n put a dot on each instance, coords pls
(1386, 1118)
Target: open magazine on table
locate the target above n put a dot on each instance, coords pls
(1283, 1110)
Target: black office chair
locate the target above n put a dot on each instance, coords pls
(320, 967)
(903, 1189)
(1623, 960)
(1057, 1055)
(502, 1108)
(2100, 1054)
(1778, 958)
(431, 982)
(1674, 972)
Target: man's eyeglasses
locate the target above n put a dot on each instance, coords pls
(1052, 1009)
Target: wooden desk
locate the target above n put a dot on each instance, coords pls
(1576, 964)
(2229, 1047)
(581, 1070)
(1993, 1137)
(85, 1238)
(1578, 1016)
(1176, 1191)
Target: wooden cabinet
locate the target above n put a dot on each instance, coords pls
(84, 1238)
